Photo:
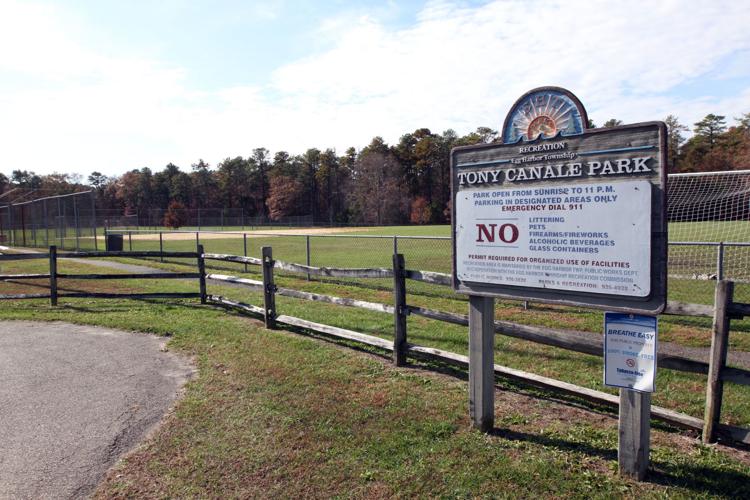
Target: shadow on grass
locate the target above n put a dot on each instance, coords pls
(116, 307)
(557, 443)
(701, 479)
(697, 478)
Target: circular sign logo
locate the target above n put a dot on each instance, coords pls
(544, 112)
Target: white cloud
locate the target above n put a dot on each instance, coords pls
(457, 67)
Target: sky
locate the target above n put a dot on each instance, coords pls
(112, 86)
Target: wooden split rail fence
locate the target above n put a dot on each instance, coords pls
(54, 276)
(716, 368)
(717, 371)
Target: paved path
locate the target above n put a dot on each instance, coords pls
(73, 399)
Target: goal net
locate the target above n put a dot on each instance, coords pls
(704, 210)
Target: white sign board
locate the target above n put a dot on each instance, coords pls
(593, 237)
(630, 351)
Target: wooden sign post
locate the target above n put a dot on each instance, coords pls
(482, 362)
(634, 426)
(630, 342)
(562, 214)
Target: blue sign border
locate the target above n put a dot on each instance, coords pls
(641, 320)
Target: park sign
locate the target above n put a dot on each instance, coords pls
(560, 213)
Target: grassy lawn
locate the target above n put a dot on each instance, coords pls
(273, 413)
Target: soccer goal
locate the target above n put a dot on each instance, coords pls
(709, 225)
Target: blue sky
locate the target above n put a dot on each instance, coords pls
(112, 86)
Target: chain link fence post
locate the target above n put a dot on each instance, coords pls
(307, 252)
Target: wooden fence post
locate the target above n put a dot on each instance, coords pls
(269, 288)
(719, 344)
(202, 272)
(53, 275)
(481, 362)
(399, 313)
(634, 428)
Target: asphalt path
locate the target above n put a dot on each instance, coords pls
(73, 399)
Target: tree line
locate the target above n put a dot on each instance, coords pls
(407, 182)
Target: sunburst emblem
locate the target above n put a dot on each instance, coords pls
(544, 113)
(545, 118)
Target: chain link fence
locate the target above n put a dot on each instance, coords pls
(693, 266)
(69, 221)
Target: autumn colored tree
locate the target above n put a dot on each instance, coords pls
(175, 216)
(284, 196)
(420, 211)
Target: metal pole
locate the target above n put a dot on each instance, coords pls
(395, 245)
(23, 224)
(161, 247)
(11, 228)
(46, 225)
(60, 217)
(77, 225)
(720, 261)
(244, 246)
(130, 240)
(93, 220)
(34, 226)
(197, 240)
(307, 244)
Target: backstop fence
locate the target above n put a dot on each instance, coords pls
(68, 220)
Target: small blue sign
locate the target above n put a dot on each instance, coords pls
(630, 347)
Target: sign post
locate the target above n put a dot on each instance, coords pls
(630, 363)
(562, 214)
(481, 362)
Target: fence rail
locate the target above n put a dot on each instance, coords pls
(53, 276)
(718, 372)
(575, 341)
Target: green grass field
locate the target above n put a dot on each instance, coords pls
(344, 250)
(273, 413)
